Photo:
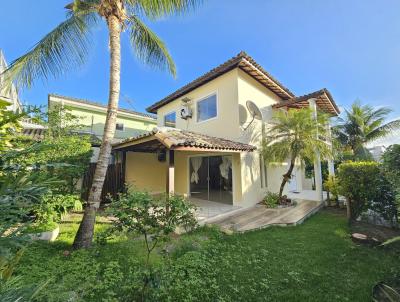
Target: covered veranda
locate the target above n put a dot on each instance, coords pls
(204, 169)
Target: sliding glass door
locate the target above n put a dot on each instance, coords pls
(211, 178)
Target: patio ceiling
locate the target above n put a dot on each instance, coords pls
(175, 139)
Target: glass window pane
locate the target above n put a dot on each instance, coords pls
(207, 108)
(170, 119)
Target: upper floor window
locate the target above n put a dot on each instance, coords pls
(119, 126)
(207, 108)
(170, 119)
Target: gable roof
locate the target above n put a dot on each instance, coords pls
(83, 101)
(242, 61)
(173, 138)
(323, 98)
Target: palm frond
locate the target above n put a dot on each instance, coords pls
(382, 131)
(148, 47)
(155, 9)
(61, 50)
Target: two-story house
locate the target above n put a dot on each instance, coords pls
(208, 143)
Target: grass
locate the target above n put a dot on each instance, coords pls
(315, 261)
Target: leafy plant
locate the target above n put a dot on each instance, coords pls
(331, 185)
(155, 219)
(139, 212)
(271, 200)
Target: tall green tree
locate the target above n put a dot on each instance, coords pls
(296, 135)
(67, 46)
(362, 124)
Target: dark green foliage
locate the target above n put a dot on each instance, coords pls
(357, 182)
(366, 186)
(391, 166)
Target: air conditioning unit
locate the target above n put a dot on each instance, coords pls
(186, 112)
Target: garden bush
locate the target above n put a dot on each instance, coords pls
(366, 187)
(391, 167)
(331, 185)
(271, 200)
(357, 182)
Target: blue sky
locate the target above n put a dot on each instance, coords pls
(350, 47)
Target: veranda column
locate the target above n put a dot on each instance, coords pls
(170, 179)
(317, 162)
(331, 166)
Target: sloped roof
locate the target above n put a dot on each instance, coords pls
(242, 61)
(83, 101)
(324, 100)
(172, 138)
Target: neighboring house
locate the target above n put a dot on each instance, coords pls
(377, 152)
(8, 94)
(92, 116)
(207, 144)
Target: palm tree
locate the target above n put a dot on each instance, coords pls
(296, 135)
(363, 124)
(67, 46)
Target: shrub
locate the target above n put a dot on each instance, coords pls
(271, 200)
(141, 213)
(53, 208)
(332, 186)
(155, 220)
(365, 186)
(357, 182)
(391, 166)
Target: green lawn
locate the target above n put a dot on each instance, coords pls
(312, 262)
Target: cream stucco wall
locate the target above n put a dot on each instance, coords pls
(250, 132)
(226, 124)
(145, 172)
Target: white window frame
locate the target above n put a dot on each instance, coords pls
(173, 111)
(202, 99)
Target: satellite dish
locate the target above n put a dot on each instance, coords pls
(255, 112)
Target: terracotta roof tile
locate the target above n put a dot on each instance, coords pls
(242, 61)
(172, 138)
(324, 101)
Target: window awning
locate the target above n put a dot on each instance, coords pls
(176, 139)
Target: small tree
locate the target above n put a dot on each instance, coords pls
(296, 134)
(140, 213)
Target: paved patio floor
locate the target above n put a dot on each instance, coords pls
(259, 216)
(210, 209)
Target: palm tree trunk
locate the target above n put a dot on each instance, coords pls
(84, 236)
(286, 177)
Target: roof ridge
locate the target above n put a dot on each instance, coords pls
(95, 103)
(215, 72)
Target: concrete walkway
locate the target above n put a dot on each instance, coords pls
(259, 216)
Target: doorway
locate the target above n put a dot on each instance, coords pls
(210, 178)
